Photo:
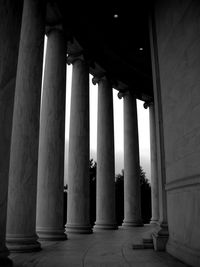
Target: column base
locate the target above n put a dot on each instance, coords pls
(131, 224)
(154, 221)
(160, 238)
(22, 244)
(78, 229)
(101, 226)
(50, 234)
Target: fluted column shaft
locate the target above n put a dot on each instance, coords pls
(154, 172)
(78, 163)
(10, 23)
(132, 201)
(21, 235)
(49, 220)
(105, 214)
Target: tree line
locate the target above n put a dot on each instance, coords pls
(119, 195)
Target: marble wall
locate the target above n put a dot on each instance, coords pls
(177, 26)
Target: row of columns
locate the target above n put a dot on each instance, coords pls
(78, 175)
(36, 172)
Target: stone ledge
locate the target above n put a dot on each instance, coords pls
(183, 182)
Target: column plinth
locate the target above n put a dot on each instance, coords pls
(105, 216)
(21, 213)
(49, 220)
(78, 220)
(21, 243)
(132, 201)
(51, 234)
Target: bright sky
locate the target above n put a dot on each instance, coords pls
(143, 125)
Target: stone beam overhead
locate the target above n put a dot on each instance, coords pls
(53, 14)
(99, 39)
(73, 47)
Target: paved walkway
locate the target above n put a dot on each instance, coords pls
(102, 249)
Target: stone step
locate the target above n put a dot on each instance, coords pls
(147, 243)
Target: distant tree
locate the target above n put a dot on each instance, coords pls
(119, 192)
(92, 169)
(143, 178)
(145, 196)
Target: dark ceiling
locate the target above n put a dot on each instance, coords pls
(115, 36)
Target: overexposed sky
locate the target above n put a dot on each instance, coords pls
(143, 125)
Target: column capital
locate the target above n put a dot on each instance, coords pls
(148, 104)
(56, 27)
(125, 92)
(121, 94)
(97, 78)
(103, 76)
(71, 58)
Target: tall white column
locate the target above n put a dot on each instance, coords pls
(78, 220)
(49, 220)
(154, 167)
(10, 23)
(132, 195)
(21, 235)
(105, 213)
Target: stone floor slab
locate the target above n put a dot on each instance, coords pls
(113, 248)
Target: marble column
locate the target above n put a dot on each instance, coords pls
(78, 220)
(161, 234)
(132, 196)
(154, 171)
(49, 219)
(10, 23)
(105, 213)
(21, 214)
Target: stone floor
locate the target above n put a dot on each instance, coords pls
(102, 249)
